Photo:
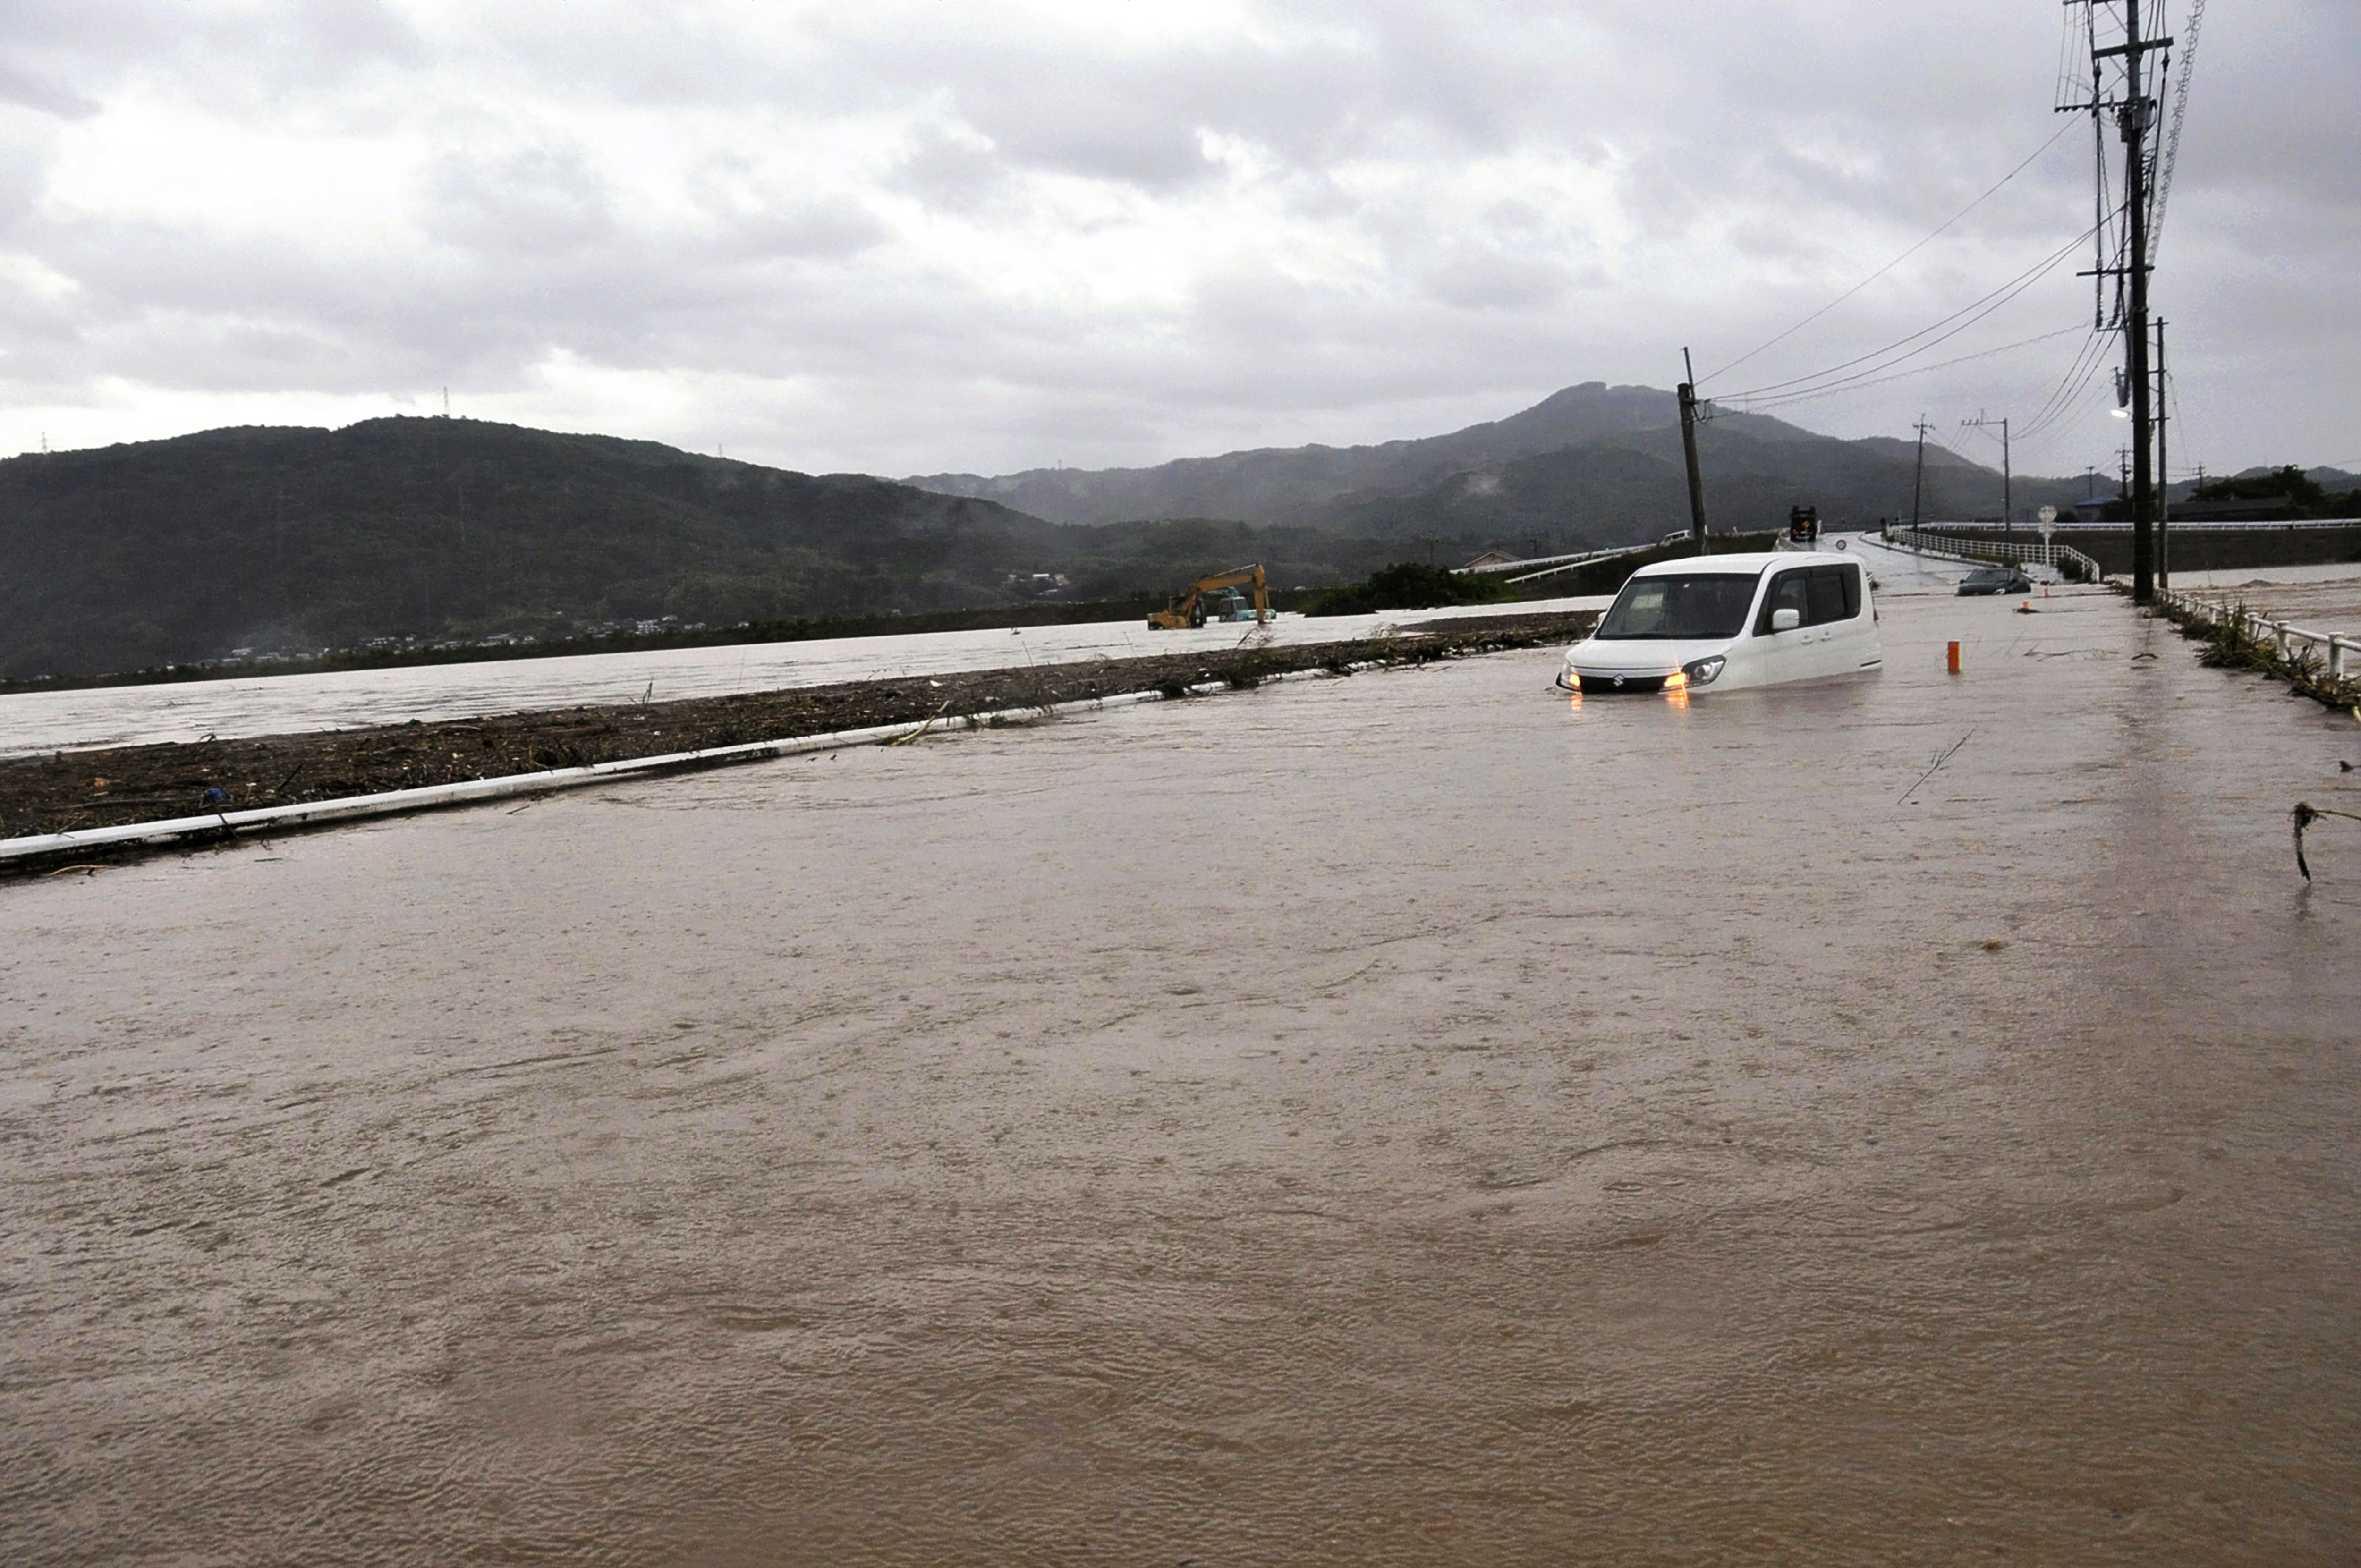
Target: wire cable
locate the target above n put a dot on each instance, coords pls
(2071, 406)
(1834, 376)
(1898, 261)
(2179, 113)
(2077, 372)
(1793, 399)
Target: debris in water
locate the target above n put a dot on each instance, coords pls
(2304, 815)
(1943, 756)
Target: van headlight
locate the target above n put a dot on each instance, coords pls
(1704, 671)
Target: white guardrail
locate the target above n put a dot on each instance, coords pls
(2063, 559)
(2336, 650)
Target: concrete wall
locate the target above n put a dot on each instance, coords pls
(2201, 547)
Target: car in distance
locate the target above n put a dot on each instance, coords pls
(1728, 622)
(1995, 580)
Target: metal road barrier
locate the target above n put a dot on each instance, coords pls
(2063, 559)
(2335, 649)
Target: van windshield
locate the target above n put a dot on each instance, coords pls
(1680, 604)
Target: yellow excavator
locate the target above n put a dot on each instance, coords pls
(1189, 606)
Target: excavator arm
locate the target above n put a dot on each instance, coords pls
(1184, 609)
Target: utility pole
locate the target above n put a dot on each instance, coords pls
(1688, 450)
(2163, 476)
(1918, 480)
(2007, 480)
(2136, 119)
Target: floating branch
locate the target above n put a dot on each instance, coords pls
(2304, 815)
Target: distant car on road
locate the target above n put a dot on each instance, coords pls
(1995, 580)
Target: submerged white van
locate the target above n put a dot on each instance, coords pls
(1731, 621)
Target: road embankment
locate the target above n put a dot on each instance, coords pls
(72, 792)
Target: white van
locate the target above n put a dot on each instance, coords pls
(1731, 621)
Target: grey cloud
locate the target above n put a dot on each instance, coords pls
(531, 201)
(954, 173)
(1763, 161)
(46, 95)
(1482, 279)
(306, 48)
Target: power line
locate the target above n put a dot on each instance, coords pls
(2172, 390)
(2071, 404)
(1979, 309)
(2073, 407)
(2065, 398)
(2078, 374)
(1898, 261)
(2172, 138)
(1856, 385)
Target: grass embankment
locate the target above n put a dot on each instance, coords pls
(68, 791)
(2229, 644)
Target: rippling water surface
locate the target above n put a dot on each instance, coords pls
(1410, 1119)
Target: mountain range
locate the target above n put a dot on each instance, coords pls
(292, 538)
(1589, 465)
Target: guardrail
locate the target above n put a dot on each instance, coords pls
(2063, 559)
(1569, 562)
(2336, 650)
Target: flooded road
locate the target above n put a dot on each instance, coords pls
(1410, 1119)
(2318, 598)
(345, 699)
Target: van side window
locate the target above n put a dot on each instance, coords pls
(1828, 597)
(1851, 575)
(1789, 590)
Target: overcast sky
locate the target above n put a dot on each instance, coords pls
(903, 237)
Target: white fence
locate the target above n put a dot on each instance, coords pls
(2064, 559)
(2336, 650)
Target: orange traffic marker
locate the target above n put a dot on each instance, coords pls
(1955, 658)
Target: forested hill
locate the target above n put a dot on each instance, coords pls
(1587, 463)
(134, 556)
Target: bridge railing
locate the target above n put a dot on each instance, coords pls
(2063, 559)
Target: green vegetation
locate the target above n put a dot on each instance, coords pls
(2300, 495)
(2230, 644)
(1411, 584)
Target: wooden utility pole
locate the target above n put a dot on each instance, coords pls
(2163, 476)
(1918, 478)
(2135, 120)
(1690, 452)
(2007, 481)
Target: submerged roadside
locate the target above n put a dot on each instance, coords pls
(76, 791)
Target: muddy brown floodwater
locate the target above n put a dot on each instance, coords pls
(1413, 1119)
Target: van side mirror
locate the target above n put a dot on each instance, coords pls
(1786, 620)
